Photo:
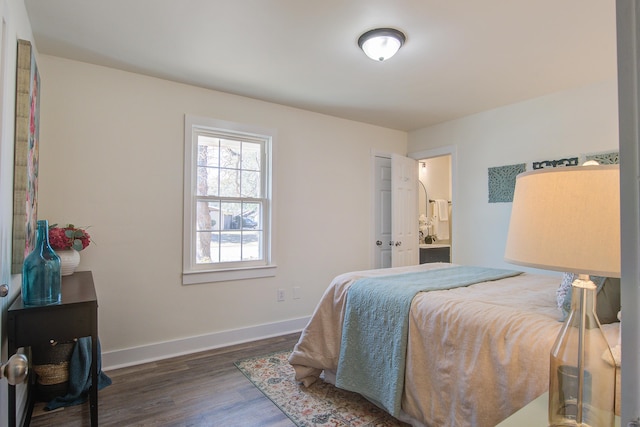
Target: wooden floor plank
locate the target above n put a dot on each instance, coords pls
(201, 389)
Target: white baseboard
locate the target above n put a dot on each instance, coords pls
(149, 353)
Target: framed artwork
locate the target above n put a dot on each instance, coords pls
(25, 167)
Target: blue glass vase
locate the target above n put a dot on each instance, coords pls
(41, 276)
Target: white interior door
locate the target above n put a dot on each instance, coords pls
(404, 211)
(382, 212)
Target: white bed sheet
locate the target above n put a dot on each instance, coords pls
(475, 355)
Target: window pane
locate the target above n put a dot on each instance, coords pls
(231, 219)
(229, 154)
(215, 247)
(208, 151)
(207, 247)
(251, 155)
(229, 183)
(207, 181)
(251, 245)
(230, 246)
(252, 218)
(251, 184)
(208, 216)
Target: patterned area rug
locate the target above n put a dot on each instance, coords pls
(320, 404)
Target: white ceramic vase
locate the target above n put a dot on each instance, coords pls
(69, 260)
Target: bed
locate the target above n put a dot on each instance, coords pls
(474, 354)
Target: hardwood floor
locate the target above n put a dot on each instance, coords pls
(202, 389)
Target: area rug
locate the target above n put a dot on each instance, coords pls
(320, 404)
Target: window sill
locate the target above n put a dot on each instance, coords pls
(209, 276)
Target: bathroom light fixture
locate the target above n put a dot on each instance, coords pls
(381, 43)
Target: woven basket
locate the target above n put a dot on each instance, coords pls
(51, 365)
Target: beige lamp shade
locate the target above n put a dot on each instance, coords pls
(567, 219)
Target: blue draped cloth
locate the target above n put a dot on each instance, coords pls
(375, 329)
(80, 376)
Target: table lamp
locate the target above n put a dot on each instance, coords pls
(568, 219)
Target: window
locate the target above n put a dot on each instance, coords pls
(227, 206)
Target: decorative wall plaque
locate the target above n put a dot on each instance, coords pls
(612, 158)
(572, 161)
(502, 182)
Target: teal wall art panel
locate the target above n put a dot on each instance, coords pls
(502, 182)
(612, 158)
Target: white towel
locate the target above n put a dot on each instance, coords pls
(442, 207)
(441, 219)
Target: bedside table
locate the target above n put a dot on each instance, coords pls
(535, 414)
(75, 316)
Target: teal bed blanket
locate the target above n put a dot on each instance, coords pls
(374, 333)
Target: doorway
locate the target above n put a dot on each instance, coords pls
(434, 199)
(436, 174)
(438, 171)
(395, 208)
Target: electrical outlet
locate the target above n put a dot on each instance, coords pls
(281, 295)
(296, 292)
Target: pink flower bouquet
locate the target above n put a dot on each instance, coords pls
(68, 237)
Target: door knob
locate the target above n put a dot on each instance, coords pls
(4, 290)
(398, 243)
(16, 369)
(378, 242)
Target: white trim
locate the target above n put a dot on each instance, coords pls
(196, 277)
(164, 350)
(434, 152)
(194, 274)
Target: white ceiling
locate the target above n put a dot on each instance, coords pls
(461, 56)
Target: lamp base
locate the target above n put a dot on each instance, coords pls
(582, 371)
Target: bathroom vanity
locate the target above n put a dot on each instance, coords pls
(435, 252)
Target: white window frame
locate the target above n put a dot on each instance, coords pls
(193, 273)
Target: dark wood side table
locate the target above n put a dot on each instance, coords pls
(76, 316)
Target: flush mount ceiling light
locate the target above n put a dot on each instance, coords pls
(382, 43)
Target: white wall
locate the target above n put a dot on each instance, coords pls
(569, 123)
(111, 158)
